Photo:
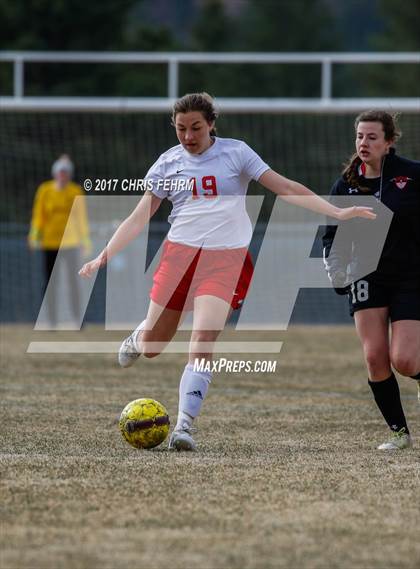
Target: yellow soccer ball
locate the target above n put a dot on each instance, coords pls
(144, 423)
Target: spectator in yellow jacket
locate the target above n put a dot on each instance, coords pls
(53, 229)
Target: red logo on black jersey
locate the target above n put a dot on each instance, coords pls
(401, 181)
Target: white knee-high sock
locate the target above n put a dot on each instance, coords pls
(193, 389)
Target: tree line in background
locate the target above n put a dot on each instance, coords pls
(211, 25)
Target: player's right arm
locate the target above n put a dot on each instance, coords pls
(37, 221)
(126, 232)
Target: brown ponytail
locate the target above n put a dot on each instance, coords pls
(351, 171)
(201, 102)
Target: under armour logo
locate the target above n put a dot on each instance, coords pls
(353, 190)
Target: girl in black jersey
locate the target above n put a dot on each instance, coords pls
(390, 295)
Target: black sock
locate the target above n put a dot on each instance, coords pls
(416, 376)
(387, 397)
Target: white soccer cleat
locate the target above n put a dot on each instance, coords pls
(398, 441)
(128, 352)
(182, 440)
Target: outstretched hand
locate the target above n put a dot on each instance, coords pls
(356, 211)
(91, 267)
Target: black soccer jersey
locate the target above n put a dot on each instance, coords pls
(398, 188)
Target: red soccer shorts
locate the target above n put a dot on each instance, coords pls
(186, 272)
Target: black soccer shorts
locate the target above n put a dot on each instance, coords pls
(403, 300)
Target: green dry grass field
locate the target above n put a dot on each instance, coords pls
(287, 474)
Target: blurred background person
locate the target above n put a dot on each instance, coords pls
(53, 230)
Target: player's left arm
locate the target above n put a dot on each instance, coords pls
(298, 194)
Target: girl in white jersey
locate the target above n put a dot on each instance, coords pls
(205, 266)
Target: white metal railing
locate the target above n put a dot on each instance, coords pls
(175, 59)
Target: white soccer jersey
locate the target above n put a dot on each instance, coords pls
(208, 193)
